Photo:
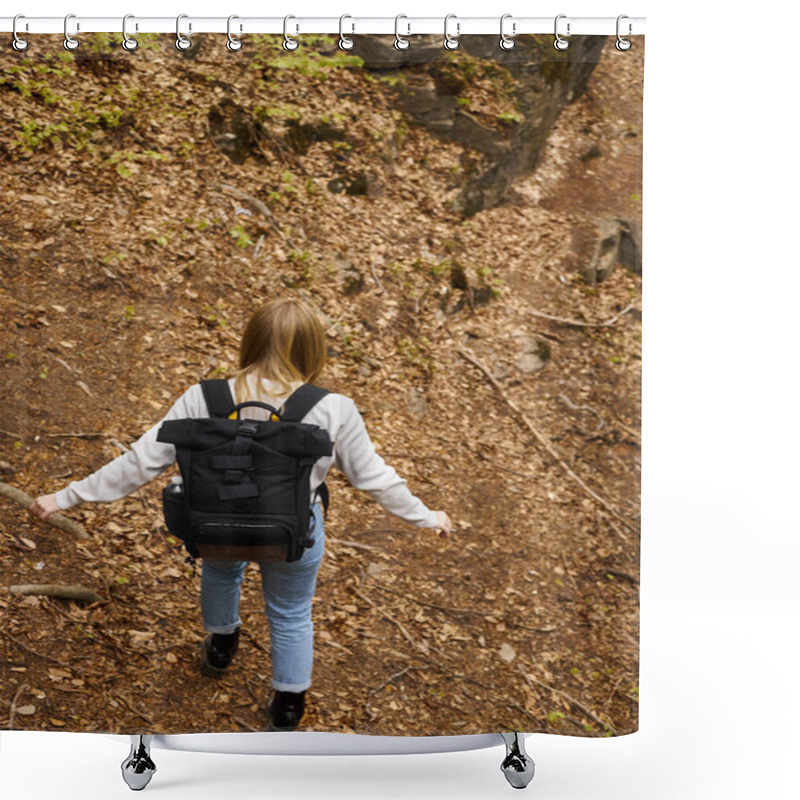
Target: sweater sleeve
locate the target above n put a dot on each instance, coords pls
(355, 455)
(146, 459)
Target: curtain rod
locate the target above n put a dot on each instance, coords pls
(297, 26)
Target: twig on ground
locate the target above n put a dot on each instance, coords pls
(541, 439)
(13, 709)
(127, 703)
(375, 276)
(624, 575)
(578, 323)
(33, 652)
(367, 707)
(244, 724)
(260, 208)
(567, 402)
(582, 708)
(78, 435)
(406, 635)
(465, 611)
(355, 545)
(610, 696)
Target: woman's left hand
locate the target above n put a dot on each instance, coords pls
(444, 524)
(44, 506)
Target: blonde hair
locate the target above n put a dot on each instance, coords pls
(284, 342)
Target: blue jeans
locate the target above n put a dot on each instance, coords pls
(288, 591)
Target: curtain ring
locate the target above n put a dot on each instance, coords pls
(400, 42)
(70, 42)
(234, 42)
(345, 42)
(17, 43)
(289, 43)
(506, 42)
(128, 42)
(451, 42)
(182, 42)
(560, 42)
(623, 44)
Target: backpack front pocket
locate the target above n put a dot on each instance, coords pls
(243, 538)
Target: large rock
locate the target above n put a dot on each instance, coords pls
(599, 246)
(542, 80)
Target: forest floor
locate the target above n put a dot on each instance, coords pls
(139, 278)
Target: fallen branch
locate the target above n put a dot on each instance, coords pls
(56, 520)
(13, 710)
(375, 276)
(624, 575)
(11, 434)
(127, 703)
(99, 435)
(569, 404)
(582, 708)
(59, 590)
(262, 209)
(355, 545)
(578, 323)
(541, 439)
(40, 656)
(406, 635)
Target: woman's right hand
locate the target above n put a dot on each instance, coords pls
(44, 506)
(444, 524)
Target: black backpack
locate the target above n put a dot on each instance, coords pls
(245, 493)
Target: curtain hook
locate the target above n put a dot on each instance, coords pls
(70, 42)
(451, 42)
(234, 42)
(560, 42)
(289, 43)
(506, 41)
(128, 42)
(17, 43)
(182, 42)
(401, 43)
(623, 44)
(345, 42)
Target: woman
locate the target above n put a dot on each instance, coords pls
(283, 346)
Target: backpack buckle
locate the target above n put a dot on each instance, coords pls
(247, 428)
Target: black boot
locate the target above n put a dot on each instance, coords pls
(217, 653)
(286, 710)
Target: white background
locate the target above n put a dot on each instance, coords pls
(719, 690)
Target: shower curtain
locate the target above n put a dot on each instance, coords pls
(466, 223)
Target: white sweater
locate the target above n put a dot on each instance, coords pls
(353, 453)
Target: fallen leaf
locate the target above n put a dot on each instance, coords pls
(507, 652)
(26, 711)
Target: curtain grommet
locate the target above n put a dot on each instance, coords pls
(182, 42)
(507, 42)
(623, 45)
(400, 42)
(560, 43)
(18, 43)
(345, 42)
(289, 44)
(70, 42)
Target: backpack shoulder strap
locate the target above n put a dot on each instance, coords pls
(218, 397)
(301, 401)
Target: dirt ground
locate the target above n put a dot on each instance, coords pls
(128, 276)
